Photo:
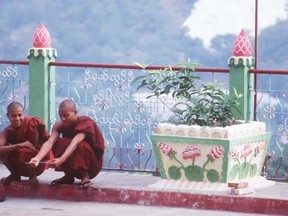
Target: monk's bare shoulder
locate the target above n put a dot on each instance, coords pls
(57, 126)
(3, 136)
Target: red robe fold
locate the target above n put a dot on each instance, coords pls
(88, 155)
(30, 127)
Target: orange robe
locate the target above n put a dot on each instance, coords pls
(88, 155)
(26, 132)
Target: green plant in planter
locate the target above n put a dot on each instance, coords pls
(200, 103)
(202, 154)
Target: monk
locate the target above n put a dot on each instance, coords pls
(19, 142)
(77, 145)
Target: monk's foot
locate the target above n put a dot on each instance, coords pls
(85, 181)
(33, 182)
(12, 177)
(66, 179)
(2, 198)
(85, 184)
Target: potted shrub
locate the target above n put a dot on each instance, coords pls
(203, 142)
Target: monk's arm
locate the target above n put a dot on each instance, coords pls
(47, 146)
(73, 145)
(6, 147)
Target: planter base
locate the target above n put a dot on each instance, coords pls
(188, 186)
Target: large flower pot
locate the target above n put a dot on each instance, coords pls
(202, 154)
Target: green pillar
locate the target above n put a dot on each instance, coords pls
(240, 78)
(41, 87)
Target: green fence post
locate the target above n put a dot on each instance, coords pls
(39, 75)
(240, 79)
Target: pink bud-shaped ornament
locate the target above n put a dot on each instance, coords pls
(41, 37)
(242, 45)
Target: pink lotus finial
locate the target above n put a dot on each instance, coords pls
(242, 45)
(41, 37)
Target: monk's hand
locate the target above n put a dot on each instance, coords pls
(27, 144)
(34, 162)
(55, 163)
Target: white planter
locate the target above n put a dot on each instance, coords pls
(210, 154)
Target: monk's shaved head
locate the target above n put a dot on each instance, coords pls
(14, 105)
(68, 104)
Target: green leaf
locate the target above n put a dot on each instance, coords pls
(213, 175)
(253, 170)
(234, 171)
(244, 170)
(174, 172)
(194, 173)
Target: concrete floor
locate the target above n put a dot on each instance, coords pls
(35, 207)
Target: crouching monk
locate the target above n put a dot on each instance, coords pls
(19, 142)
(78, 152)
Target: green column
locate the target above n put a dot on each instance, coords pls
(242, 81)
(40, 88)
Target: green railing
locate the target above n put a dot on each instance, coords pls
(126, 117)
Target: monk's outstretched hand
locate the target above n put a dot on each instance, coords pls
(55, 163)
(34, 162)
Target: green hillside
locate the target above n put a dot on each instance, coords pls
(124, 31)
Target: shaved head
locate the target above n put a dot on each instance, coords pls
(15, 114)
(14, 105)
(68, 104)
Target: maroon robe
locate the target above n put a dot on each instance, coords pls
(30, 127)
(88, 155)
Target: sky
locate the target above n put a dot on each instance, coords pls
(219, 17)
